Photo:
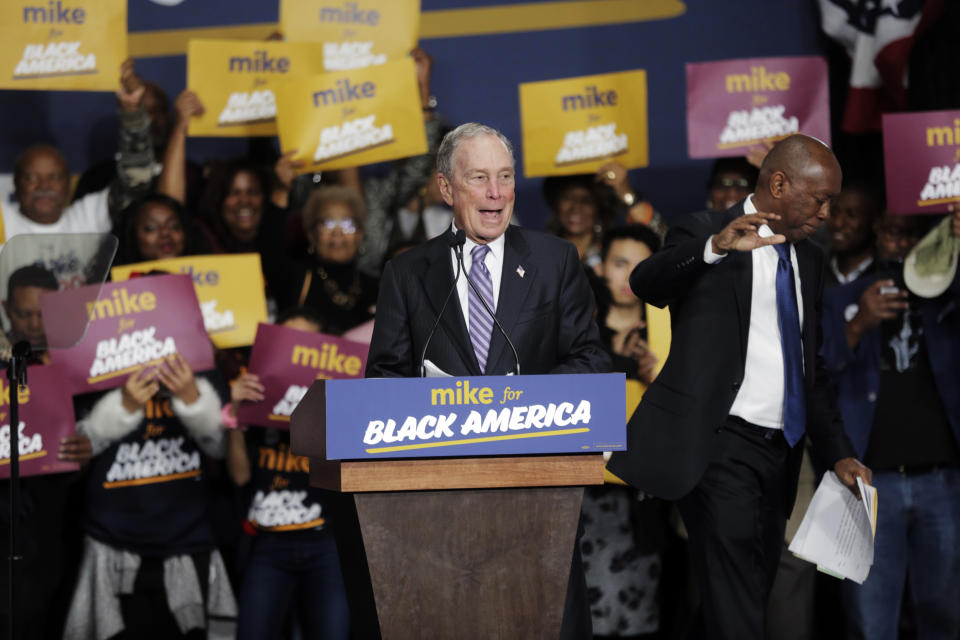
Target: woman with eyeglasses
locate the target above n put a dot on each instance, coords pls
(332, 284)
(731, 180)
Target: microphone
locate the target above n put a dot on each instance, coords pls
(457, 243)
(516, 357)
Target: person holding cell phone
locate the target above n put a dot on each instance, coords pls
(893, 356)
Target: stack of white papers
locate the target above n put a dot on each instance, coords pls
(837, 531)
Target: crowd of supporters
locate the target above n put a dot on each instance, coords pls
(200, 556)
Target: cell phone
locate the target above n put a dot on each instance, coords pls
(885, 291)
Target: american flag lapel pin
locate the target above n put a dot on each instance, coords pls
(520, 271)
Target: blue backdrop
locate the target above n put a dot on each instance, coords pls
(475, 78)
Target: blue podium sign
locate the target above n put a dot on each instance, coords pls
(476, 416)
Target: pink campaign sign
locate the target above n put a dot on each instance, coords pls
(921, 156)
(733, 105)
(46, 416)
(134, 323)
(288, 361)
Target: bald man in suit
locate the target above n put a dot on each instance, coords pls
(743, 384)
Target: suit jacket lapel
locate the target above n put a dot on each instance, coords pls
(809, 268)
(513, 293)
(742, 264)
(743, 290)
(437, 282)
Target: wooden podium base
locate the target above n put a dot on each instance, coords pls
(471, 563)
(458, 547)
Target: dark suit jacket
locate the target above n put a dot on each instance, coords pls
(670, 437)
(857, 371)
(548, 312)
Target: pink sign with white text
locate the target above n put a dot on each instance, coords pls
(287, 361)
(733, 105)
(921, 157)
(134, 323)
(45, 417)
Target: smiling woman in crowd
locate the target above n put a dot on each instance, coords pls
(155, 228)
(238, 216)
(579, 213)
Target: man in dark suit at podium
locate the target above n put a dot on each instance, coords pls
(743, 383)
(532, 281)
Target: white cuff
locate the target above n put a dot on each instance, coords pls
(202, 418)
(108, 421)
(709, 256)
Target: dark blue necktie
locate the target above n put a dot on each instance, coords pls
(794, 407)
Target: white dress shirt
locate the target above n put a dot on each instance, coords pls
(494, 262)
(760, 398)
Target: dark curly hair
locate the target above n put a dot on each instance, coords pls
(555, 186)
(128, 250)
(218, 186)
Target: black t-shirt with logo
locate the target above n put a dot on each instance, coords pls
(147, 493)
(282, 498)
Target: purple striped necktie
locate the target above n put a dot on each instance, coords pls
(481, 323)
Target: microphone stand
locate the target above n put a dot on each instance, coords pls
(17, 375)
(457, 243)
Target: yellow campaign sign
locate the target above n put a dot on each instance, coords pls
(352, 118)
(229, 288)
(354, 34)
(576, 125)
(235, 81)
(62, 45)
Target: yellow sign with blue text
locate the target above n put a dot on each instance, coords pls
(352, 118)
(229, 289)
(235, 81)
(576, 125)
(356, 33)
(62, 45)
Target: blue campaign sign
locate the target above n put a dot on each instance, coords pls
(478, 416)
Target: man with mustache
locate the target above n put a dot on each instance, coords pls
(41, 178)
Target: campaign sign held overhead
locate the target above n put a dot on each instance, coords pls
(65, 45)
(921, 156)
(576, 125)
(733, 105)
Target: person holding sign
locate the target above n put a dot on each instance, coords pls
(532, 281)
(584, 206)
(48, 509)
(893, 355)
(743, 384)
(151, 568)
(42, 183)
(293, 568)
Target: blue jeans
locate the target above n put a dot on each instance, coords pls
(295, 570)
(918, 534)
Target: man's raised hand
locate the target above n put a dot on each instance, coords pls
(742, 234)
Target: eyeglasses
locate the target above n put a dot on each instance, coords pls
(727, 183)
(346, 225)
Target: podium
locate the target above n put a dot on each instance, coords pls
(459, 546)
